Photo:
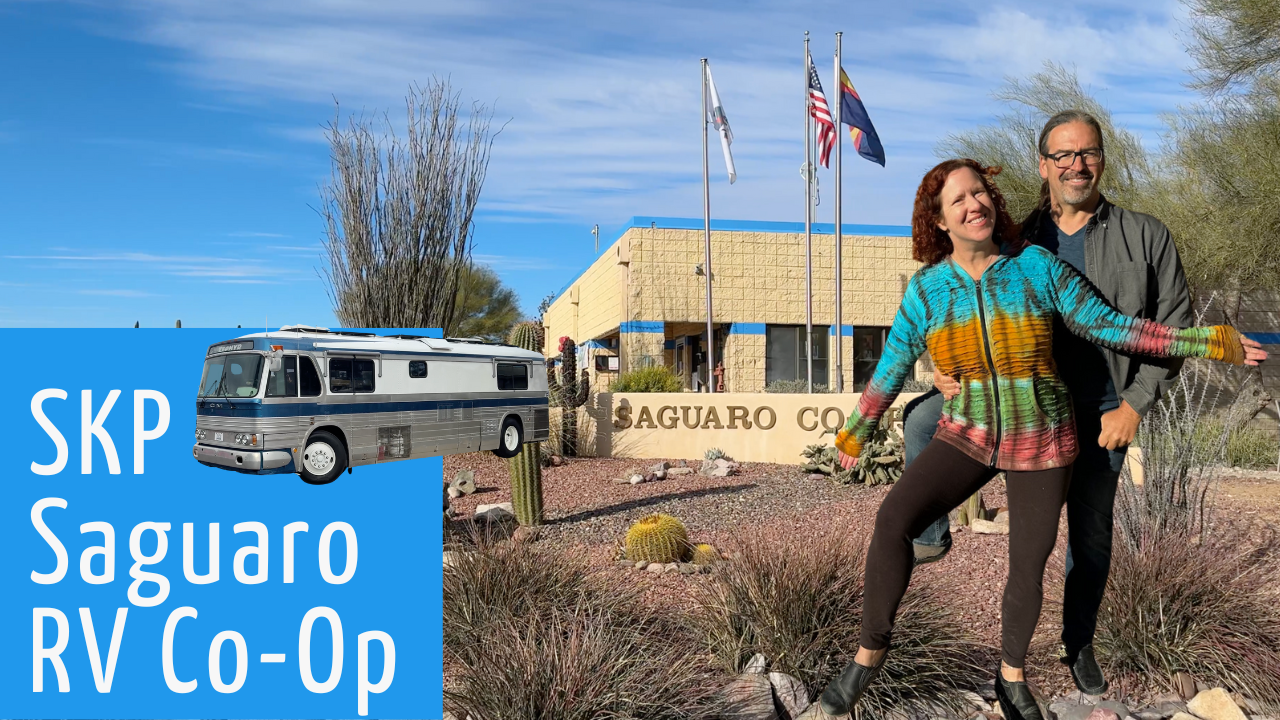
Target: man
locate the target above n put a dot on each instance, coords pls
(1132, 260)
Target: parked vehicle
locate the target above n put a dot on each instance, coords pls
(315, 401)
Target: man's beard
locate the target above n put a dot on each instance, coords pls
(1074, 196)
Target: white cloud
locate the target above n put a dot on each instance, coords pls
(602, 97)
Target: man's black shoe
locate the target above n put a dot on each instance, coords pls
(1086, 672)
(843, 692)
(1016, 700)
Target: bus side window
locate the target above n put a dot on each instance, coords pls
(417, 368)
(362, 376)
(309, 377)
(512, 377)
(340, 375)
(284, 383)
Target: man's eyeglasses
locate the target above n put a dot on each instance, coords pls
(1067, 158)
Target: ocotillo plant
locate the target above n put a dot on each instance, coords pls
(570, 393)
(526, 467)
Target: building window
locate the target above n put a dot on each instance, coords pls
(868, 346)
(785, 359)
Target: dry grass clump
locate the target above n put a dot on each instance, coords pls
(538, 635)
(1208, 607)
(798, 601)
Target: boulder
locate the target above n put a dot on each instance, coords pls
(659, 474)
(671, 567)
(688, 568)
(720, 472)
(454, 493)
(1215, 704)
(1184, 716)
(756, 664)
(661, 467)
(622, 481)
(1002, 517)
(625, 564)
(525, 534)
(817, 476)
(1184, 685)
(789, 695)
(748, 697)
(640, 564)
(496, 513)
(975, 700)
(723, 462)
(636, 479)
(987, 527)
(654, 567)
(680, 471)
(465, 482)
(556, 460)
(1101, 713)
(1067, 710)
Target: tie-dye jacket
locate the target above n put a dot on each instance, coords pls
(995, 337)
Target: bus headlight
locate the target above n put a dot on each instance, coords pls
(246, 439)
(199, 434)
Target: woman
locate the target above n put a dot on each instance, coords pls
(984, 306)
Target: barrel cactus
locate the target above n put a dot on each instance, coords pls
(658, 538)
(704, 554)
(526, 467)
(569, 392)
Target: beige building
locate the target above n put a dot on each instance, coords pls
(643, 301)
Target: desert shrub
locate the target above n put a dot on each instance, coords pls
(655, 378)
(1253, 448)
(798, 601)
(1209, 608)
(580, 664)
(538, 634)
(794, 386)
(917, 386)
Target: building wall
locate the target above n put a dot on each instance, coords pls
(592, 305)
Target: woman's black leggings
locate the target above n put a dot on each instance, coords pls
(939, 479)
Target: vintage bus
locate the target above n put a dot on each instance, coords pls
(315, 401)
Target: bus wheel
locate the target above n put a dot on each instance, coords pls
(509, 438)
(324, 459)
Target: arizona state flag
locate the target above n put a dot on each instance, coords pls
(852, 113)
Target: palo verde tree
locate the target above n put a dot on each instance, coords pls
(399, 210)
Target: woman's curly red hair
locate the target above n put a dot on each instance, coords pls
(930, 244)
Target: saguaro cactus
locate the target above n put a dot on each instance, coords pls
(570, 393)
(526, 467)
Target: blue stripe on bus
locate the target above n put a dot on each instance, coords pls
(260, 410)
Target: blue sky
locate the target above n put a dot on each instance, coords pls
(161, 158)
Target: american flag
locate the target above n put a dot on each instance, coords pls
(821, 115)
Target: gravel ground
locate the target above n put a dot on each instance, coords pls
(588, 514)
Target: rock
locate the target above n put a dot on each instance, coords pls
(748, 697)
(451, 557)
(499, 512)
(1184, 685)
(622, 481)
(625, 564)
(987, 527)
(671, 567)
(756, 664)
(723, 463)
(814, 713)
(688, 568)
(1253, 707)
(975, 699)
(659, 474)
(721, 472)
(1120, 709)
(661, 467)
(1184, 716)
(556, 460)
(1002, 517)
(1215, 704)
(525, 534)
(817, 476)
(651, 477)
(790, 694)
(454, 493)
(1102, 713)
(641, 564)
(636, 479)
(706, 569)
(654, 567)
(680, 471)
(465, 482)
(988, 690)
(1066, 710)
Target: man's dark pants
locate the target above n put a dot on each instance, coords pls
(1090, 501)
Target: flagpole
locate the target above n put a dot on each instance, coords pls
(706, 222)
(808, 222)
(839, 103)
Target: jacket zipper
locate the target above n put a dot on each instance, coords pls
(991, 363)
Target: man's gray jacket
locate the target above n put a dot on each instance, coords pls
(1130, 257)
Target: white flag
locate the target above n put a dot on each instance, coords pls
(715, 114)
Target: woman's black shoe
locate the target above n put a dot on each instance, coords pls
(1016, 700)
(843, 692)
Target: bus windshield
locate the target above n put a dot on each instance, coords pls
(231, 376)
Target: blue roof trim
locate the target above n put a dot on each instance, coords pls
(739, 328)
(592, 344)
(262, 410)
(671, 223)
(1264, 338)
(674, 223)
(642, 326)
